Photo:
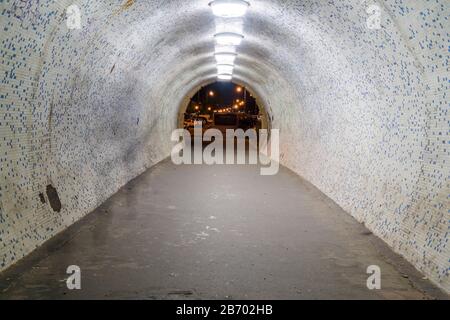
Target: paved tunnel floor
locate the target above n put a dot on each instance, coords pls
(215, 232)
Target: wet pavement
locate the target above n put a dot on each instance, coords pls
(215, 232)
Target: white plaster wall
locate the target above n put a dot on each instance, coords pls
(363, 113)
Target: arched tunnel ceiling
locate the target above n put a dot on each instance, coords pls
(362, 112)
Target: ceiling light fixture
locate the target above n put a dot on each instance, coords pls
(228, 38)
(225, 68)
(230, 49)
(225, 57)
(224, 76)
(229, 8)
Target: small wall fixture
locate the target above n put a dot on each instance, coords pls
(228, 39)
(229, 8)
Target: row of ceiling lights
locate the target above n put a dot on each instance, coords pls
(225, 58)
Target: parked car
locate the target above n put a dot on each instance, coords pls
(232, 120)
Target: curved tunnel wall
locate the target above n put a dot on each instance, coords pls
(363, 113)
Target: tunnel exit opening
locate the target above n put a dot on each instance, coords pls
(225, 123)
(223, 105)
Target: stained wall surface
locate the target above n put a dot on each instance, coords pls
(363, 113)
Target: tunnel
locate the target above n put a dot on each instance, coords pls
(358, 90)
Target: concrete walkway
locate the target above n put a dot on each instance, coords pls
(220, 232)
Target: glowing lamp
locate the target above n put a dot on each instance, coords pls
(229, 8)
(225, 57)
(228, 38)
(225, 68)
(224, 76)
(222, 49)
